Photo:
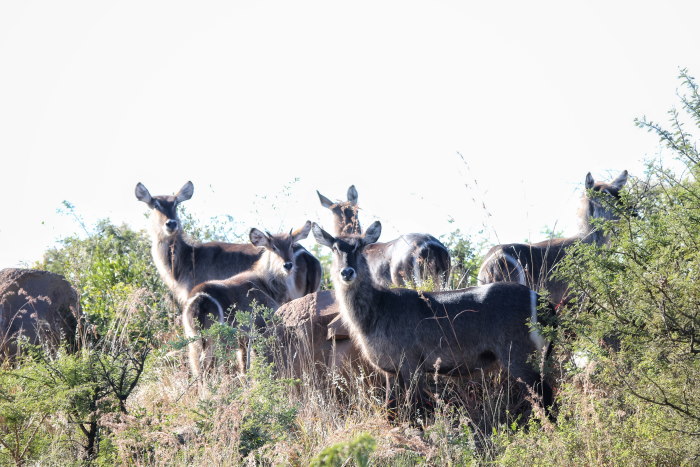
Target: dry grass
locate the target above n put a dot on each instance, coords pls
(174, 420)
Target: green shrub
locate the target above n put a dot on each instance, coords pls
(107, 267)
(268, 415)
(27, 405)
(358, 450)
(595, 428)
(637, 312)
(127, 313)
(465, 259)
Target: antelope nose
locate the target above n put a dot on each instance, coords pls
(171, 224)
(288, 266)
(347, 274)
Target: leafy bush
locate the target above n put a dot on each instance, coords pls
(595, 427)
(108, 267)
(268, 416)
(358, 450)
(465, 258)
(27, 404)
(127, 312)
(638, 308)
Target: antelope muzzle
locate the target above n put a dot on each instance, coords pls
(170, 226)
(347, 274)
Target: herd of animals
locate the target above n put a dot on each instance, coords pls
(374, 318)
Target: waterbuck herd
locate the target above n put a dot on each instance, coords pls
(390, 316)
(377, 315)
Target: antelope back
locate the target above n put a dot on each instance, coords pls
(308, 273)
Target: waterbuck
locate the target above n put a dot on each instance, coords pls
(406, 261)
(266, 284)
(40, 306)
(408, 333)
(313, 340)
(182, 264)
(533, 264)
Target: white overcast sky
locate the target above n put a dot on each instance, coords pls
(430, 108)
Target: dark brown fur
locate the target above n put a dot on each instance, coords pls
(40, 306)
(407, 333)
(532, 264)
(405, 261)
(265, 284)
(182, 264)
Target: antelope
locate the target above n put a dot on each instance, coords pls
(39, 306)
(182, 264)
(312, 339)
(266, 284)
(406, 260)
(532, 264)
(407, 333)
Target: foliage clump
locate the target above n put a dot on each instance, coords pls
(638, 308)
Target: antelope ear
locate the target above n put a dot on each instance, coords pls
(302, 233)
(258, 237)
(325, 202)
(142, 194)
(352, 194)
(185, 192)
(372, 233)
(620, 181)
(589, 181)
(322, 237)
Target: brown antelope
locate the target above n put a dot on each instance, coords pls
(407, 260)
(182, 265)
(40, 306)
(408, 333)
(266, 284)
(312, 340)
(532, 264)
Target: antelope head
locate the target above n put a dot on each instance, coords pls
(280, 246)
(606, 196)
(164, 209)
(344, 212)
(348, 261)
